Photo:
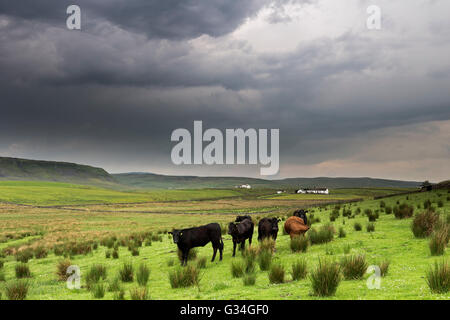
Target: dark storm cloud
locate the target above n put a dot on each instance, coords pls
(111, 94)
(170, 19)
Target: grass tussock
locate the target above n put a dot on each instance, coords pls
(126, 273)
(17, 290)
(424, 223)
(22, 271)
(323, 235)
(139, 293)
(276, 273)
(142, 275)
(299, 270)
(438, 277)
(439, 240)
(265, 260)
(61, 269)
(353, 267)
(325, 278)
(299, 243)
(184, 277)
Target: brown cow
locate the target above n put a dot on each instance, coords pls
(295, 226)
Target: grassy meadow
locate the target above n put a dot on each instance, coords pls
(87, 225)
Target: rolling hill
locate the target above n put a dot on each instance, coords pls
(156, 181)
(39, 170)
(16, 169)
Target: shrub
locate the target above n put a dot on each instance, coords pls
(126, 273)
(299, 270)
(299, 243)
(142, 275)
(184, 277)
(61, 269)
(98, 290)
(370, 227)
(324, 235)
(276, 273)
(325, 278)
(438, 278)
(424, 223)
(403, 211)
(249, 279)
(438, 241)
(139, 294)
(388, 210)
(357, 226)
(17, 290)
(341, 233)
(22, 271)
(265, 260)
(354, 266)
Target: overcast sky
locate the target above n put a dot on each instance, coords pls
(348, 101)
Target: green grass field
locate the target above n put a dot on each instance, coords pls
(30, 226)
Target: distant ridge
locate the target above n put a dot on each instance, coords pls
(41, 170)
(24, 169)
(157, 181)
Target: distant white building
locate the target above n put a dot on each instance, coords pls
(244, 186)
(280, 192)
(313, 191)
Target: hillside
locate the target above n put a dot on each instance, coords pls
(38, 170)
(156, 181)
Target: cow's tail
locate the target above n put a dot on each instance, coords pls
(221, 244)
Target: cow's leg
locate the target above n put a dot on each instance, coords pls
(234, 248)
(215, 251)
(250, 241)
(221, 248)
(243, 245)
(185, 258)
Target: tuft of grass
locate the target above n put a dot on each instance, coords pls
(424, 223)
(139, 293)
(142, 275)
(115, 254)
(98, 291)
(40, 252)
(249, 279)
(438, 241)
(324, 235)
(353, 267)
(276, 273)
(119, 295)
(17, 290)
(265, 260)
(370, 227)
(299, 243)
(201, 262)
(22, 271)
(126, 272)
(95, 273)
(403, 211)
(325, 278)
(438, 278)
(61, 269)
(299, 270)
(192, 255)
(24, 255)
(184, 277)
(115, 285)
(267, 244)
(384, 267)
(341, 233)
(237, 268)
(357, 226)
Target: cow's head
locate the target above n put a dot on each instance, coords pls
(274, 222)
(232, 228)
(242, 218)
(301, 214)
(176, 234)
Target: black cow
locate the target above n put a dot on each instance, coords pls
(240, 232)
(198, 237)
(242, 218)
(268, 227)
(301, 214)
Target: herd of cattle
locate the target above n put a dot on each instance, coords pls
(240, 230)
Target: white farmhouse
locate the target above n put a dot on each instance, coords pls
(313, 191)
